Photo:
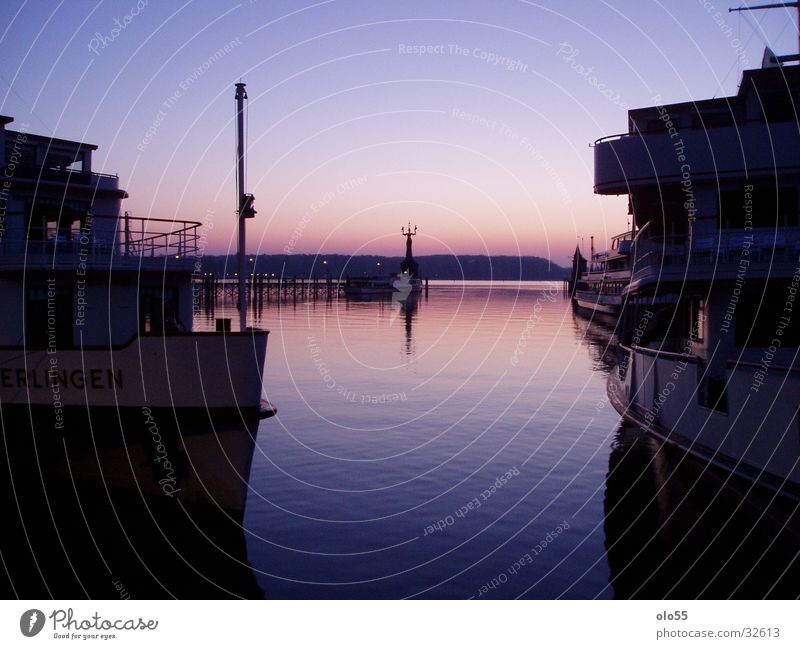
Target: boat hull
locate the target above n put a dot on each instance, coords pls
(592, 302)
(156, 418)
(757, 438)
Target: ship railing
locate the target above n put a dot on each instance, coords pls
(100, 236)
(620, 246)
(148, 237)
(737, 247)
(703, 126)
(73, 176)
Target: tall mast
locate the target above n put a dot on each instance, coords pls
(779, 5)
(244, 206)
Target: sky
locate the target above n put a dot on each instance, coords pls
(470, 119)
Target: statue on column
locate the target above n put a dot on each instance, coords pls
(408, 265)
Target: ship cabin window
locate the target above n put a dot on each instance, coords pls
(673, 326)
(58, 221)
(689, 322)
(67, 159)
(761, 322)
(697, 319)
(48, 316)
(77, 164)
(158, 310)
(763, 207)
(713, 391)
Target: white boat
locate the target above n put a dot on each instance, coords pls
(369, 286)
(404, 284)
(385, 285)
(710, 332)
(599, 287)
(102, 379)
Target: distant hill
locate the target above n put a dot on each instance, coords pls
(474, 267)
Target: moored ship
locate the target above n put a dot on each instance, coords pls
(102, 379)
(599, 286)
(710, 331)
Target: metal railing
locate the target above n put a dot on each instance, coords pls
(129, 237)
(144, 241)
(620, 247)
(35, 172)
(723, 248)
(738, 123)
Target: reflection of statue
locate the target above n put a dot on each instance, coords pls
(407, 307)
(408, 265)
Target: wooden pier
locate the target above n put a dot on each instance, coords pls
(263, 288)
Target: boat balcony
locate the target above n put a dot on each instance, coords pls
(758, 252)
(622, 162)
(108, 242)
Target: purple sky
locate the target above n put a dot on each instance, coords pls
(471, 119)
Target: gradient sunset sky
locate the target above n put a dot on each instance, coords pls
(471, 119)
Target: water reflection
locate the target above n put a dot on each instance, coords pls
(599, 336)
(403, 308)
(406, 307)
(677, 529)
(70, 540)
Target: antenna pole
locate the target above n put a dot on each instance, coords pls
(241, 95)
(776, 5)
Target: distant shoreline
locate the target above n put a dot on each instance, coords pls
(434, 267)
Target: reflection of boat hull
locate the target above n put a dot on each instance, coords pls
(599, 334)
(76, 540)
(156, 416)
(675, 530)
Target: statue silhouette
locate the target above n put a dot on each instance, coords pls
(408, 265)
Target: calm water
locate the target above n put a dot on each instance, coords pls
(462, 446)
(458, 446)
(393, 418)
